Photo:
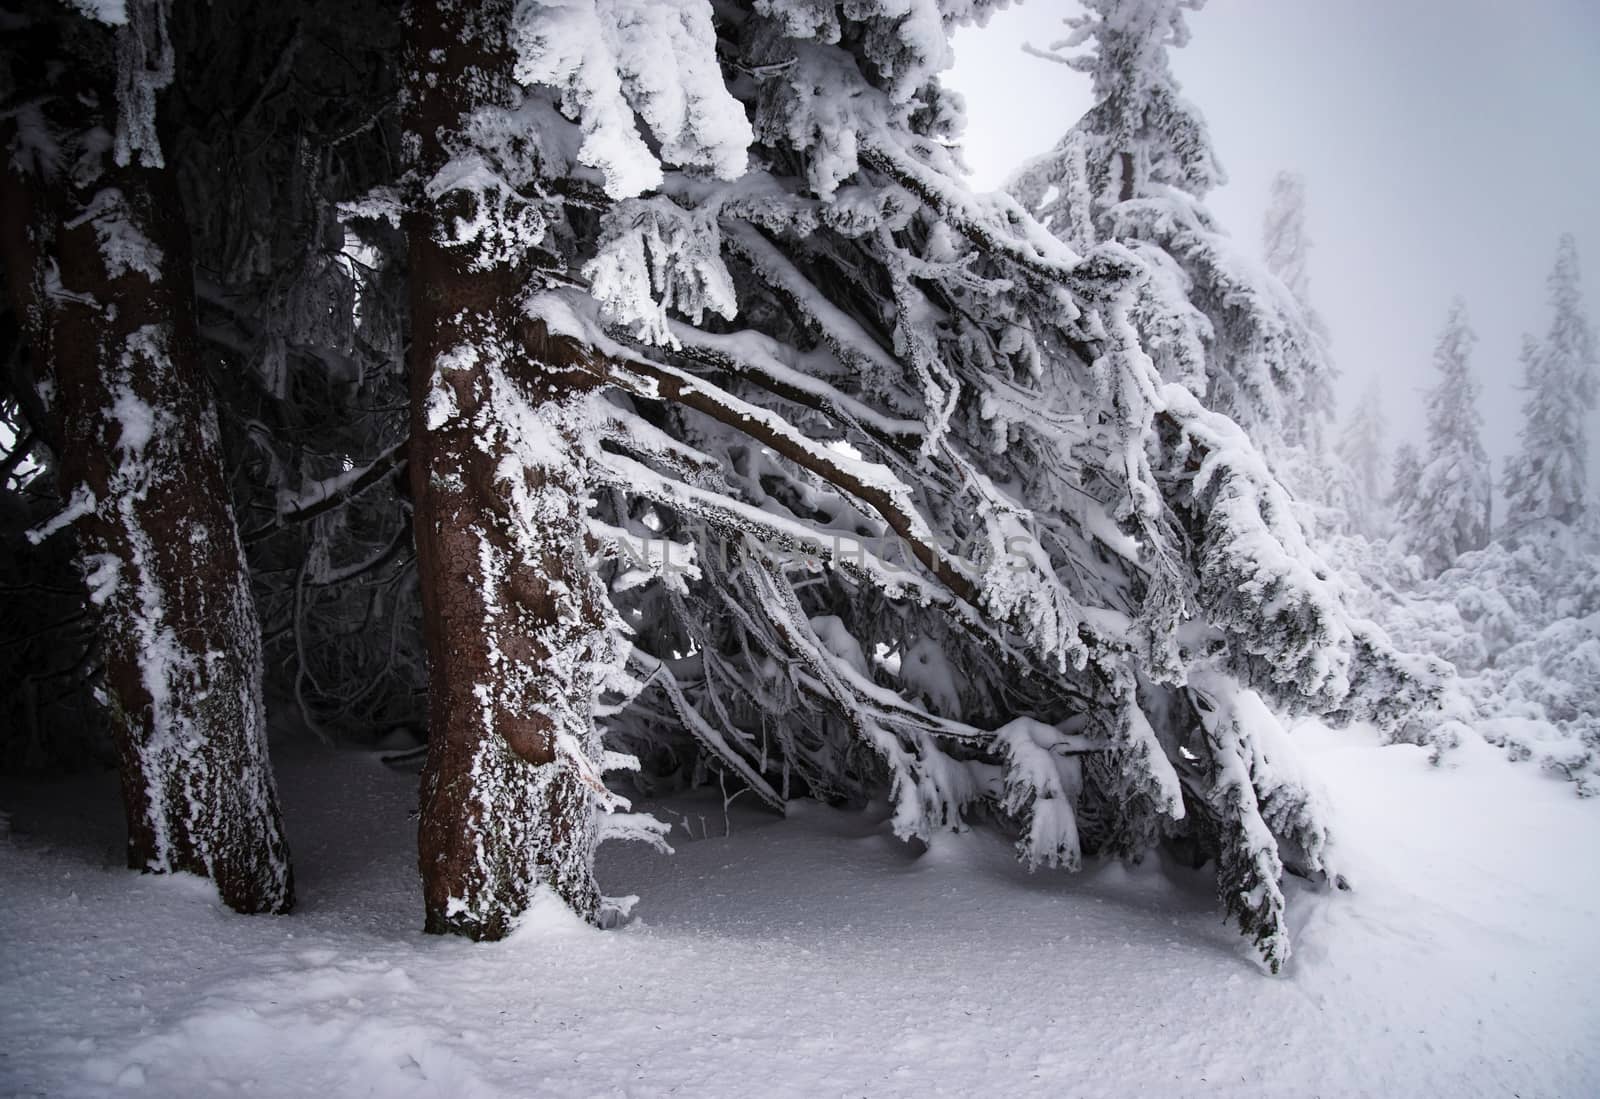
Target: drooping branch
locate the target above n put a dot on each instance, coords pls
(702, 730)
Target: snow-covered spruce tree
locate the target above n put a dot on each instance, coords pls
(1136, 169)
(1405, 477)
(1286, 246)
(1548, 477)
(923, 513)
(97, 260)
(1330, 490)
(1448, 513)
(1362, 452)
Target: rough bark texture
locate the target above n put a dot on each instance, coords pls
(99, 266)
(516, 626)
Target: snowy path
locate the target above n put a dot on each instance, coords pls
(816, 957)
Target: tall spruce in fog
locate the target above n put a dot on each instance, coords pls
(1363, 451)
(1332, 493)
(1449, 512)
(97, 257)
(1136, 170)
(1285, 244)
(1548, 477)
(1405, 475)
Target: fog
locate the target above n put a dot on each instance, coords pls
(1446, 146)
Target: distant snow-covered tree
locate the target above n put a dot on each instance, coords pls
(1448, 512)
(1329, 490)
(1361, 448)
(1405, 476)
(1286, 245)
(1520, 621)
(1548, 477)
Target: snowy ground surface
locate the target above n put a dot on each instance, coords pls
(818, 957)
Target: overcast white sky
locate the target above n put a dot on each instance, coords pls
(1446, 145)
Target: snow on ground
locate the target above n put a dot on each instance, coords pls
(817, 956)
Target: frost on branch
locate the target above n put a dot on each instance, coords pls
(618, 65)
(1261, 808)
(1289, 628)
(654, 256)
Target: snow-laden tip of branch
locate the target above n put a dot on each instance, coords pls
(324, 494)
(1150, 762)
(1263, 805)
(654, 256)
(616, 65)
(1259, 578)
(1044, 54)
(1042, 782)
(635, 828)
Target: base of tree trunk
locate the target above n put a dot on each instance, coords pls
(507, 810)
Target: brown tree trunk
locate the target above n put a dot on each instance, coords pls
(98, 263)
(516, 626)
